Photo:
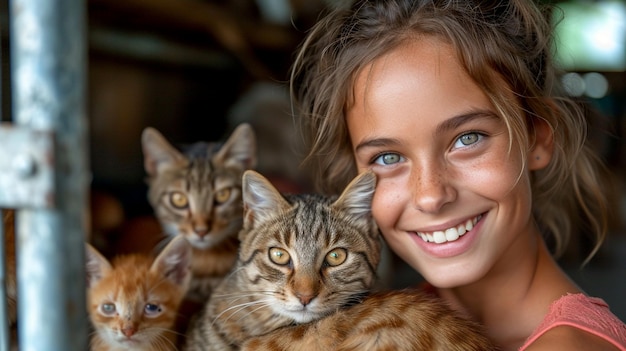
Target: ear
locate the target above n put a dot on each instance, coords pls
(356, 198)
(239, 150)
(261, 200)
(540, 153)
(96, 266)
(174, 262)
(158, 153)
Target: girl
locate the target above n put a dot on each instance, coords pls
(454, 105)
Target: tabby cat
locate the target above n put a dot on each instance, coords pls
(304, 274)
(133, 301)
(197, 194)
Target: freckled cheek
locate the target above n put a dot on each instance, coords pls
(387, 205)
(494, 180)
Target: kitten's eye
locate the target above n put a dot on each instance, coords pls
(336, 257)
(222, 195)
(108, 309)
(152, 309)
(467, 139)
(279, 256)
(179, 200)
(388, 159)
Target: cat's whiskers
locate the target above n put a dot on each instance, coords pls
(242, 294)
(160, 341)
(234, 271)
(242, 307)
(250, 312)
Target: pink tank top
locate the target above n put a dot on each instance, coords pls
(590, 314)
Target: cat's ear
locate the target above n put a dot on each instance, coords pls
(239, 150)
(174, 261)
(356, 198)
(158, 153)
(96, 266)
(261, 200)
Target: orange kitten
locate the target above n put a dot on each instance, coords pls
(133, 301)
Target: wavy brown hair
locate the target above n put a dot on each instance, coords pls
(496, 41)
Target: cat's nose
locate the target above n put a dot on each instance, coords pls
(201, 231)
(128, 331)
(305, 299)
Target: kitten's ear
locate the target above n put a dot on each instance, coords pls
(96, 266)
(174, 262)
(240, 149)
(357, 197)
(261, 200)
(158, 153)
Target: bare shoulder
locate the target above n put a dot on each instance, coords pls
(571, 339)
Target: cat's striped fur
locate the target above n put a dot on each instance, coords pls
(196, 193)
(306, 266)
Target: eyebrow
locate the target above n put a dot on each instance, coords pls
(457, 121)
(447, 125)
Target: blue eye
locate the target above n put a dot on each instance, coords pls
(468, 139)
(152, 309)
(388, 159)
(108, 309)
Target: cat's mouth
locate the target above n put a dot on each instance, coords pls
(303, 315)
(127, 341)
(450, 234)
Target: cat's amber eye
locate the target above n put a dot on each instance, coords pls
(222, 196)
(108, 308)
(279, 256)
(336, 257)
(179, 200)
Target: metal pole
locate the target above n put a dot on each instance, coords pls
(48, 56)
(4, 324)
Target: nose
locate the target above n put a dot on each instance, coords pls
(201, 231)
(128, 331)
(431, 189)
(305, 298)
(201, 225)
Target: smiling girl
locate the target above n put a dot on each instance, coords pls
(454, 106)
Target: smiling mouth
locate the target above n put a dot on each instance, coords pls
(450, 234)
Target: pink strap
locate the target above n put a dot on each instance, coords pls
(590, 314)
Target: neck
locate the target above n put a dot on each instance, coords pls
(512, 299)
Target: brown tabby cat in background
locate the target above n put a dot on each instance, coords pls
(305, 269)
(197, 194)
(133, 301)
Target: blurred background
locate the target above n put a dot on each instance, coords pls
(194, 69)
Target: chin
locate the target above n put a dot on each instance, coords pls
(300, 316)
(450, 278)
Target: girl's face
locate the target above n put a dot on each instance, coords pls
(452, 200)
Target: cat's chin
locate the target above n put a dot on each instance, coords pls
(208, 241)
(203, 243)
(303, 316)
(124, 342)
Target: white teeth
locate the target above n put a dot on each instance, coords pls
(440, 237)
(450, 234)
